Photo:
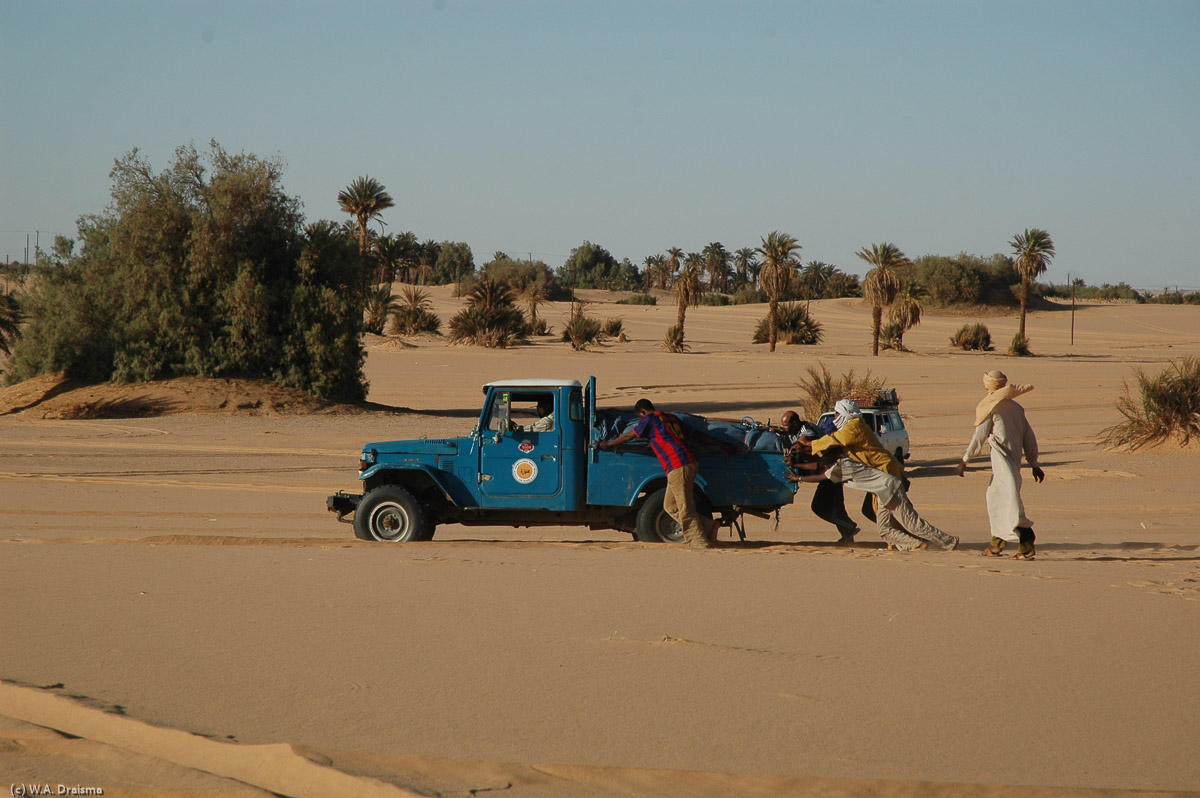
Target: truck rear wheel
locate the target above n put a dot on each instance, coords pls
(390, 514)
(655, 525)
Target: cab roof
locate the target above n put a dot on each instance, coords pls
(533, 383)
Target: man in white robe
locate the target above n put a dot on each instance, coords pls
(1000, 422)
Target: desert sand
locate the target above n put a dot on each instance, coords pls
(180, 616)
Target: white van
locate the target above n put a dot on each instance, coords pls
(887, 425)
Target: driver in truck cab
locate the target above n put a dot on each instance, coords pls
(545, 422)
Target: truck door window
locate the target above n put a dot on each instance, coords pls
(533, 412)
(575, 406)
(499, 413)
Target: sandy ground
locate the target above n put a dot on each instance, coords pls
(176, 600)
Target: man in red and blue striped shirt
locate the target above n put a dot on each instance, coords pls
(667, 437)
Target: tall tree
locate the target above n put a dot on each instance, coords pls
(428, 253)
(390, 253)
(689, 287)
(745, 260)
(778, 266)
(906, 310)
(674, 259)
(814, 278)
(364, 199)
(716, 261)
(1033, 249)
(881, 284)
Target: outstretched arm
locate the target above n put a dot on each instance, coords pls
(624, 437)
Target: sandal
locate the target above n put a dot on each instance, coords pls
(1026, 555)
(990, 551)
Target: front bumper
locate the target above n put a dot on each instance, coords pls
(343, 504)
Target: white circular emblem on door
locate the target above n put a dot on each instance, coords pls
(524, 471)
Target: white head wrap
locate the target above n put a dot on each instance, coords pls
(844, 410)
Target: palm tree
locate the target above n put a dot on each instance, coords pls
(427, 258)
(1033, 249)
(380, 303)
(654, 268)
(745, 260)
(364, 199)
(778, 267)
(814, 278)
(905, 311)
(689, 287)
(409, 250)
(881, 284)
(673, 258)
(533, 294)
(716, 260)
(390, 252)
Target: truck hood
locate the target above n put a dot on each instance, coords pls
(419, 446)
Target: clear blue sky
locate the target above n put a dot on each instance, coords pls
(529, 127)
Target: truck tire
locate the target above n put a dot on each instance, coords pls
(654, 525)
(390, 514)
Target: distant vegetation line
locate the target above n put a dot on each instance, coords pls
(209, 268)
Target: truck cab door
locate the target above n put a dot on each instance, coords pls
(518, 465)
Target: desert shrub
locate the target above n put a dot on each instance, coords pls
(716, 300)
(414, 313)
(581, 330)
(749, 296)
(497, 328)
(540, 327)
(1164, 406)
(205, 269)
(612, 327)
(380, 303)
(972, 336)
(891, 336)
(820, 390)
(638, 299)
(1019, 346)
(490, 318)
(796, 326)
(673, 340)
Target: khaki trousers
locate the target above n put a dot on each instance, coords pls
(680, 504)
(900, 526)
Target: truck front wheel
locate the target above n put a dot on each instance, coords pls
(654, 525)
(390, 514)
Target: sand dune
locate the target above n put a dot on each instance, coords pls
(181, 566)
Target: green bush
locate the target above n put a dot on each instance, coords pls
(972, 337)
(795, 326)
(1163, 407)
(380, 303)
(581, 330)
(10, 322)
(414, 314)
(490, 318)
(205, 269)
(715, 300)
(638, 299)
(1019, 346)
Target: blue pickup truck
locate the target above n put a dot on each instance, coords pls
(517, 468)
